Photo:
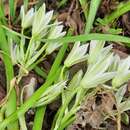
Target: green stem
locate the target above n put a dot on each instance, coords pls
(118, 120)
(69, 121)
(69, 115)
(27, 52)
(58, 60)
(62, 72)
(40, 72)
(62, 110)
(55, 119)
(22, 123)
(40, 112)
(36, 63)
(2, 13)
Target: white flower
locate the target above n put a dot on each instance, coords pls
(41, 21)
(17, 52)
(120, 94)
(77, 54)
(13, 48)
(55, 32)
(27, 19)
(97, 51)
(51, 93)
(96, 74)
(123, 73)
(115, 63)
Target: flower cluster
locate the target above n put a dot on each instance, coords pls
(42, 27)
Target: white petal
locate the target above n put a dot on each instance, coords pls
(97, 79)
(22, 12)
(47, 18)
(38, 19)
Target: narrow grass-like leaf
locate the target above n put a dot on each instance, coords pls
(122, 8)
(40, 112)
(12, 8)
(2, 16)
(62, 2)
(84, 5)
(82, 38)
(92, 13)
(92, 36)
(11, 104)
(125, 118)
(26, 4)
(40, 72)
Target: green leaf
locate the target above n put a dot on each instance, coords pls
(11, 104)
(94, 4)
(125, 118)
(115, 31)
(26, 2)
(122, 8)
(12, 7)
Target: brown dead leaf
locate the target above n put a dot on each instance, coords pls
(108, 102)
(120, 53)
(2, 93)
(107, 6)
(129, 86)
(72, 18)
(2, 74)
(126, 20)
(94, 110)
(28, 85)
(2, 81)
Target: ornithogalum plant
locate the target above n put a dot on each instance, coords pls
(42, 27)
(28, 54)
(104, 68)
